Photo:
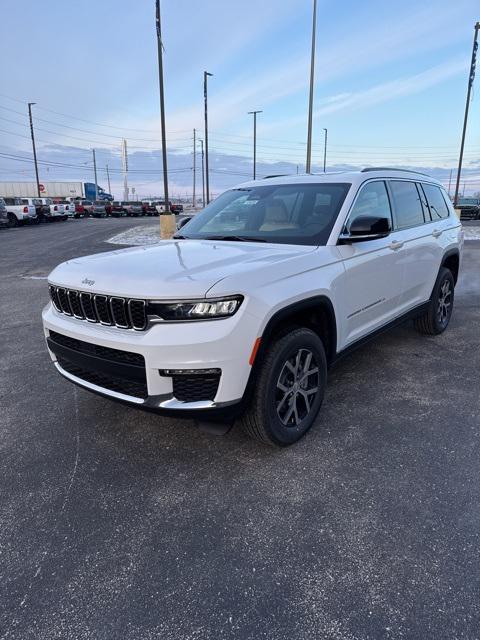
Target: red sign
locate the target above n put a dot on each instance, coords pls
(41, 187)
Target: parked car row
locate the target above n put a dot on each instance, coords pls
(19, 211)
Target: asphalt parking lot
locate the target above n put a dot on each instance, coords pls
(120, 524)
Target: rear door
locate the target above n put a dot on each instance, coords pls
(412, 219)
(369, 294)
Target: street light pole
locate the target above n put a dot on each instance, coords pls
(254, 113)
(95, 173)
(194, 165)
(203, 174)
(312, 87)
(325, 151)
(471, 78)
(205, 97)
(30, 104)
(162, 106)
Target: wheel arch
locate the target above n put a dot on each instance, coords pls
(316, 313)
(451, 260)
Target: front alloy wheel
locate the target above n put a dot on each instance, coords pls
(289, 385)
(297, 387)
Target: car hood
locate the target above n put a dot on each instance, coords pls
(172, 269)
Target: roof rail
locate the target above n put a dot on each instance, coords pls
(391, 169)
(278, 175)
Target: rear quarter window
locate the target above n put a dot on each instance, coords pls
(436, 202)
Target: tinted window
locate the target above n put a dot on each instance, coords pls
(281, 213)
(407, 204)
(371, 201)
(436, 202)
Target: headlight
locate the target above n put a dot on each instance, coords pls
(196, 309)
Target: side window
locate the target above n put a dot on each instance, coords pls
(371, 201)
(438, 206)
(406, 204)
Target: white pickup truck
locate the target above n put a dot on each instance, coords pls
(53, 210)
(19, 211)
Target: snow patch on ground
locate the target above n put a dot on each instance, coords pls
(138, 236)
(472, 233)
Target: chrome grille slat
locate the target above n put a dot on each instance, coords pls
(119, 312)
(123, 313)
(102, 309)
(87, 306)
(64, 303)
(76, 307)
(138, 317)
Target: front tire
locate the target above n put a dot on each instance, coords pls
(437, 316)
(289, 389)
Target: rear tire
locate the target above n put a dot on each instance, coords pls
(437, 316)
(289, 389)
(12, 220)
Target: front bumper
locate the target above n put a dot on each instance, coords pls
(215, 344)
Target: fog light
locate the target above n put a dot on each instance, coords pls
(190, 372)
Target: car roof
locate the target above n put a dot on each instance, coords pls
(353, 177)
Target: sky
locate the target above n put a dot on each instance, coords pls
(390, 87)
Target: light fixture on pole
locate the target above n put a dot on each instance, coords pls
(254, 113)
(308, 164)
(205, 97)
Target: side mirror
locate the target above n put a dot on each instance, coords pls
(181, 223)
(366, 228)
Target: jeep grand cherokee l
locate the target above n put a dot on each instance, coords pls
(240, 315)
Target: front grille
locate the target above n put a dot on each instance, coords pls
(112, 383)
(117, 355)
(196, 387)
(124, 313)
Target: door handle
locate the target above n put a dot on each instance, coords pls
(395, 245)
(436, 233)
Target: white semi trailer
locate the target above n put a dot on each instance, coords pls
(62, 190)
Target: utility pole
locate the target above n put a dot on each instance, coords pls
(203, 175)
(325, 151)
(30, 105)
(254, 113)
(312, 87)
(162, 106)
(205, 97)
(95, 172)
(471, 78)
(108, 179)
(125, 169)
(194, 166)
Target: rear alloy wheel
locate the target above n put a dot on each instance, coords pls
(289, 389)
(437, 316)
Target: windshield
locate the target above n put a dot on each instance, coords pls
(287, 214)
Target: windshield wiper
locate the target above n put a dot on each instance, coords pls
(235, 238)
(179, 237)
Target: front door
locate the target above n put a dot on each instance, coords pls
(369, 293)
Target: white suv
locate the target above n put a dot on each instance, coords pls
(241, 314)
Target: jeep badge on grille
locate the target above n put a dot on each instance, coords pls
(88, 282)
